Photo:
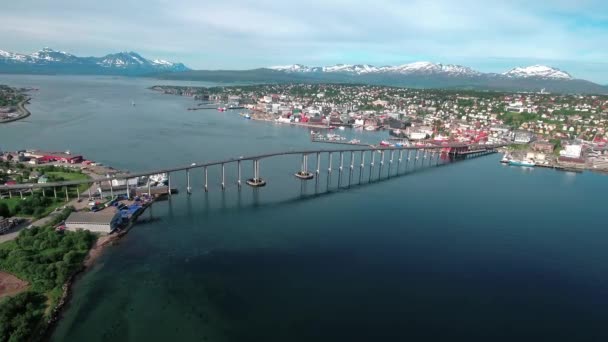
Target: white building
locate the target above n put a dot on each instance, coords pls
(103, 221)
(572, 151)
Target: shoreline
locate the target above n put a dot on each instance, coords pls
(24, 112)
(95, 252)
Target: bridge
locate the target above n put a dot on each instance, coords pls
(368, 157)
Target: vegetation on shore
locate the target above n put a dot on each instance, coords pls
(46, 259)
(37, 204)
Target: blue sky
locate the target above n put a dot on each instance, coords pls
(488, 35)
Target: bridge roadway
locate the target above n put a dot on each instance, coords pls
(458, 149)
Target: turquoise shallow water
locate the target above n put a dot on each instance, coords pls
(472, 250)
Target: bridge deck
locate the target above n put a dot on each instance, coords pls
(477, 148)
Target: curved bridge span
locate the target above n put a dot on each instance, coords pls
(367, 157)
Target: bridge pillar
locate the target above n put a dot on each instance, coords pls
(399, 161)
(318, 164)
(362, 166)
(128, 192)
(303, 174)
(21, 194)
(169, 183)
(381, 165)
(256, 181)
(67, 198)
(149, 189)
(206, 180)
(238, 182)
(371, 165)
(78, 192)
(341, 168)
(390, 163)
(329, 169)
(352, 166)
(223, 177)
(111, 190)
(55, 192)
(188, 188)
(90, 190)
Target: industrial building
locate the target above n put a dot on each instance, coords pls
(104, 221)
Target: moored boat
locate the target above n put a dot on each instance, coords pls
(526, 163)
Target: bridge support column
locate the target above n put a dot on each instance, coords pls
(303, 174)
(381, 165)
(128, 192)
(149, 189)
(21, 194)
(238, 182)
(223, 177)
(78, 192)
(206, 180)
(399, 161)
(55, 192)
(169, 184)
(390, 163)
(256, 181)
(111, 190)
(90, 190)
(329, 169)
(43, 192)
(188, 188)
(318, 164)
(67, 198)
(371, 165)
(341, 168)
(416, 159)
(362, 166)
(352, 166)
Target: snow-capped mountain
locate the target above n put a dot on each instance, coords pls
(50, 61)
(538, 71)
(429, 68)
(359, 69)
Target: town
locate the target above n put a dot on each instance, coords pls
(550, 130)
(12, 104)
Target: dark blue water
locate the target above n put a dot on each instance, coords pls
(471, 251)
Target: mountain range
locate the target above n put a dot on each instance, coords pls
(417, 74)
(49, 61)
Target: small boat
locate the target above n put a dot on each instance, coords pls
(525, 163)
(132, 103)
(385, 143)
(247, 116)
(341, 128)
(505, 159)
(370, 128)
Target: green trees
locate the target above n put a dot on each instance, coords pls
(19, 314)
(46, 259)
(4, 210)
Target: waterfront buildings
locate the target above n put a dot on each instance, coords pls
(104, 221)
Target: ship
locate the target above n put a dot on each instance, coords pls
(526, 163)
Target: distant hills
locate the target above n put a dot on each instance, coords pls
(416, 75)
(49, 61)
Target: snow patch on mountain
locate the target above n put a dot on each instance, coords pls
(538, 71)
(359, 69)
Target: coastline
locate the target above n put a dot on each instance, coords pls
(95, 252)
(24, 112)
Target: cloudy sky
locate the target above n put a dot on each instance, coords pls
(487, 35)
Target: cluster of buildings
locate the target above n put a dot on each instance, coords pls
(9, 98)
(571, 127)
